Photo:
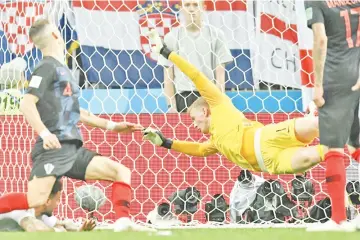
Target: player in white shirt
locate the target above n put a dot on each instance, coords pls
(201, 44)
(40, 219)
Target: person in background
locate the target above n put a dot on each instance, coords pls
(202, 45)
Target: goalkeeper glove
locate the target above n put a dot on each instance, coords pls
(160, 47)
(157, 138)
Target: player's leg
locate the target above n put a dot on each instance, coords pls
(91, 166)
(354, 142)
(354, 150)
(292, 133)
(103, 168)
(306, 129)
(335, 121)
(299, 159)
(38, 192)
(47, 166)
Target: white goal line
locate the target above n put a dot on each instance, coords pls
(109, 226)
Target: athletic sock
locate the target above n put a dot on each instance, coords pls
(335, 181)
(356, 155)
(121, 196)
(13, 201)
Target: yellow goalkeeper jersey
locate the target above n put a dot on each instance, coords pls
(232, 134)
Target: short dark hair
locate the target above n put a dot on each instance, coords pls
(56, 188)
(36, 28)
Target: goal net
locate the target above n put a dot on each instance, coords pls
(269, 79)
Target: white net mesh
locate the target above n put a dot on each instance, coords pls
(109, 55)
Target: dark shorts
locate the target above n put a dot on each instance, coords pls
(71, 160)
(338, 118)
(354, 139)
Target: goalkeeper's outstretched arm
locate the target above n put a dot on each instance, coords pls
(193, 148)
(208, 90)
(189, 148)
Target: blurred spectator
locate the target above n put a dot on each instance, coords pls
(202, 45)
(13, 83)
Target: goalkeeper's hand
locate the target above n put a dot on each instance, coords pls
(157, 138)
(156, 41)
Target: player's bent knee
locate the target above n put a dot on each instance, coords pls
(307, 158)
(39, 190)
(103, 168)
(311, 123)
(306, 164)
(123, 174)
(36, 200)
(118, 172)
(306, 129)
(312, 160)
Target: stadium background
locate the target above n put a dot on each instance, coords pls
(131, 90)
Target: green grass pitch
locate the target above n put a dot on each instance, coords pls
(193, 234)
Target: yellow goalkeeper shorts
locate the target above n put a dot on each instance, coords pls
(275, 146)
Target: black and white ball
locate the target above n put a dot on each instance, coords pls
(89, 197)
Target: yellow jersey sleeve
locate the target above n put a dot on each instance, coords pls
(206, 88)
(193, 148)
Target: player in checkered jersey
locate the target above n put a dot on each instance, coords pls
(51, 106)
(201, 44)
(336, 56)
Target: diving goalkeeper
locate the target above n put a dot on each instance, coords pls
(276, 148)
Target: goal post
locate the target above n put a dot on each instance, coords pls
(109, 54)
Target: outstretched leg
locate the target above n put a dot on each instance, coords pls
(305, 158)
(90, 166)
(307, 129)
(299, 159)
(103, 168)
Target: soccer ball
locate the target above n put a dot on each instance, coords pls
(89, 197)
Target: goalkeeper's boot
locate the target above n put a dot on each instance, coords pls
(125, 224)
(331, 226)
